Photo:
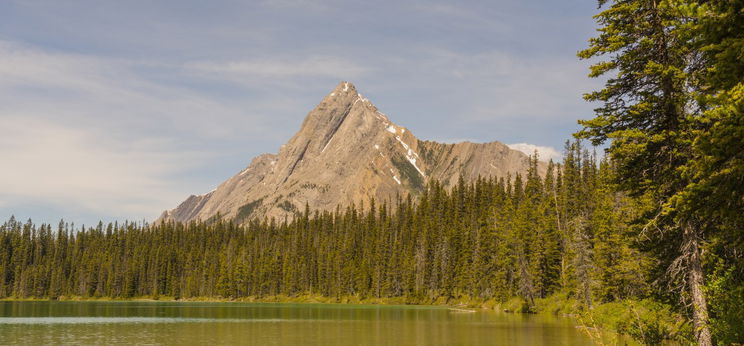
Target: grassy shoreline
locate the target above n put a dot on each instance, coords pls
(310, 299)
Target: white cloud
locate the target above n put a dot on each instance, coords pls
(56, 164)
(544, 153)
(92, 134)
(111, 129)
(108, 93)
(106, 136)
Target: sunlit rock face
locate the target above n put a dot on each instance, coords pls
(346, 151)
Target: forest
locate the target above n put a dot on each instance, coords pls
(645, 239)
(566, 242)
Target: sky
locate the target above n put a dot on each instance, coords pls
(118, 110)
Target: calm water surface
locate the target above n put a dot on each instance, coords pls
(181, 323)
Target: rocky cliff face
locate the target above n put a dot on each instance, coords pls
(346, 152)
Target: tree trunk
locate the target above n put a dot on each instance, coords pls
(526, 285)
(691, 249)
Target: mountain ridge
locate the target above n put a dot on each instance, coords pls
(346, 151)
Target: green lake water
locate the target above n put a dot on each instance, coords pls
(185, 323)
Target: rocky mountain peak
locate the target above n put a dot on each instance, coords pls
(346, 151)
(345, 87)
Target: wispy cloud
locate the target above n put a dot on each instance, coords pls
(103, 92)
(188, 94)
(108, 135)
(56, 164)
(92, 134)
(247, 71)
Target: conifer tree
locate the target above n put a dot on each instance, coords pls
(645, 112)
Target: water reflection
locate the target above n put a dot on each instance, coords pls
(165, 323)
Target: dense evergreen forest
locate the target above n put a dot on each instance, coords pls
(647, 240)
(529, 237)
(567, 236)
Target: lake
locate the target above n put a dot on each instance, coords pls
(196, 323)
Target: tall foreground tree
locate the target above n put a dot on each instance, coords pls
(718, 165)
(672, 109)
(645, 114)
(717, 168)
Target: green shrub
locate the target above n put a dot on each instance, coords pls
(560, 304)
(725, 295)
(646, 321)
(516, 304)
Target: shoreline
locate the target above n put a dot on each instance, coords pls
(460, 305)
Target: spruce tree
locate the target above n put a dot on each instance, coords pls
(645, 113)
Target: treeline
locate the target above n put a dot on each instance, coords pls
(528, 236)
(660, 220)
(568, 234)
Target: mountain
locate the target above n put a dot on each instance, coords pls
(346, 152)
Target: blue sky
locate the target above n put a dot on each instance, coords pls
(118, 110)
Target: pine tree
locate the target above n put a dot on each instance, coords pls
(645, 114)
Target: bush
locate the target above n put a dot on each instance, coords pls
(559, 304)
(516, 304)
(646, 321)
(726, 294)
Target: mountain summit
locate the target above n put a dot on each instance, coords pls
(346, 151)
